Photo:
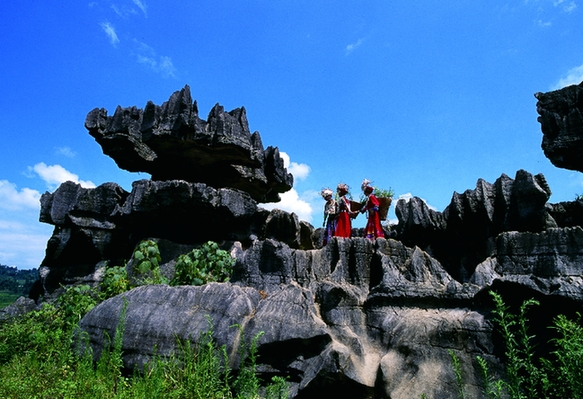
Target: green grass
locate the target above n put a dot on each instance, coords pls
(6, 298)
(38, 359)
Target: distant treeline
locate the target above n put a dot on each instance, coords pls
(15, 281)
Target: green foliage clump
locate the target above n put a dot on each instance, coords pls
(556, 377)
(380, 192)
(47, 329)
(38, 358)
(115, 281)
(202, 265)
(146, 264)
(565, 370)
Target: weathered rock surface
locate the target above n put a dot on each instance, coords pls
(171, 142)
(463, 235)
(105, 223)
(357, 318)
(561, 119)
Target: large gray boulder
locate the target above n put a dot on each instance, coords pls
(171, 142)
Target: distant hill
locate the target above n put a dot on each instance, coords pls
(15, 283)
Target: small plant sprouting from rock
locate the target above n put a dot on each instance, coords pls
(554, 377)
(203, 265)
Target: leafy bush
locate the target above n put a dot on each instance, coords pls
(557, 377)
(202, 265)
(115, 281)
(146, 264)
(379, 192)
(75, 302)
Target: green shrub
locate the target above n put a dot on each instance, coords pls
(115, 281)
(146, 264)
(202, 265)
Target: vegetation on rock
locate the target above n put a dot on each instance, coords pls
(203, 265)
(38, 357)
(528, 376)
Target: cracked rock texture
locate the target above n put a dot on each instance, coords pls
(354, 319)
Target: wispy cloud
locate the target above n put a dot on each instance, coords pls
(22, 238)
(161, 64)
(54, 175)
(566, 6)
(142, 6)
(573, 76)
(351, 47)
(292, 203)
(110, 32)
(65, 151)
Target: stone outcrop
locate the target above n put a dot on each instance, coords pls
(463, 235)
(171, 142)
(561, 119)
(94, 226)
(357, 318)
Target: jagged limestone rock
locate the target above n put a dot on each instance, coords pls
(171, 142)
(561, 119)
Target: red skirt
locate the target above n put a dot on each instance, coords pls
(343, 226)
(373, 226)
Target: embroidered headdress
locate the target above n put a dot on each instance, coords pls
(326, 192)
(343, 187)
(366, 187)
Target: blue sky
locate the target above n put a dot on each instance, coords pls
(421, 96)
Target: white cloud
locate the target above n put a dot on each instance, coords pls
(573, 77)
(351, 47)
(142, 6)
(54, 175)
(14, 200)
(110, 32)
(291, 202)
(65, 151)
(22, 238)
(300, 171)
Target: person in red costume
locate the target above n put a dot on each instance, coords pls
(373, 227)
(343, 224)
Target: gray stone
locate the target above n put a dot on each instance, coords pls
(171, 142)
(561, 119)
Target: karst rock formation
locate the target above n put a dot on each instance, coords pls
(355, 319)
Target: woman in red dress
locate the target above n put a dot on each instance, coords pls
(373, 227)
(343, 224)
